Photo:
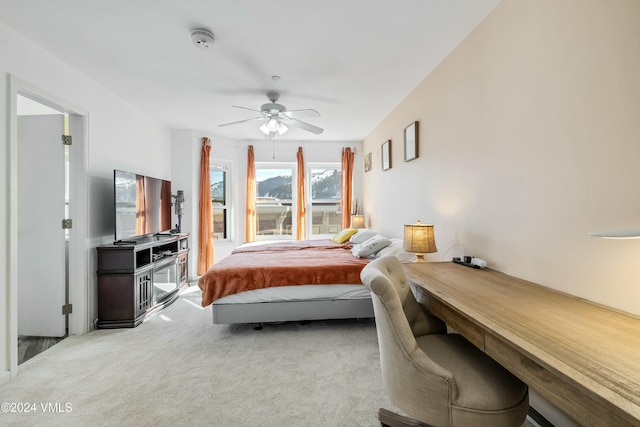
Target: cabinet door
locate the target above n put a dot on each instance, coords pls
(143, 283)
(183, 271)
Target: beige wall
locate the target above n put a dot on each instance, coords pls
(530, 138)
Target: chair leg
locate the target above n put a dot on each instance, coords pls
(391, 419)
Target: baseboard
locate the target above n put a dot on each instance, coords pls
(538, 418)
(5, 377)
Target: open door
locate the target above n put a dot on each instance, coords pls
(41, 237)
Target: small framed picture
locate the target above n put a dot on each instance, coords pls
(386, 155)
(411, 142)
(367, 162)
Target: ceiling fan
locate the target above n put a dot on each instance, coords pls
(276, 117)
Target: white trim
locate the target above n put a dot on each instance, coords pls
(5, 377)
(78, 272)
(13, 227)
(79, 322)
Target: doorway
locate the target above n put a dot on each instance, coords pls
(47, 281)
(43, 185)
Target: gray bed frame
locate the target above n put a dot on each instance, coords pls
(288, 311)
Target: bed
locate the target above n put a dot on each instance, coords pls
(283, 281)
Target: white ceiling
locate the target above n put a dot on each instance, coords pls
(351, 60)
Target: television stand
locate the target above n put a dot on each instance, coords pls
(138, 278)
(125, 242)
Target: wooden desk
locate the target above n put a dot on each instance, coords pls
(583, 357)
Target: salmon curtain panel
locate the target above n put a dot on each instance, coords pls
(250, 226)
(205, 228)
(301, 202)
(347, 188)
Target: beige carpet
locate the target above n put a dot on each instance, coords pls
(178, 369)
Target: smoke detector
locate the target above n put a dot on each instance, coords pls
(202, 38)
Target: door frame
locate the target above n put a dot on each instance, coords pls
(78, 250)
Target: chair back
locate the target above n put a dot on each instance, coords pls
(385, 277)
(399, 319)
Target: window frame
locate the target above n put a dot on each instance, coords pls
(309, 220)
(294, 194)
(225, 166)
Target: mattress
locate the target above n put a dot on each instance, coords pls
(298, 293)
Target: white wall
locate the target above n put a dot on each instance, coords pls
(120, 137)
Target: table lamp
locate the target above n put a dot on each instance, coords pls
(357, 221)
(419, 238)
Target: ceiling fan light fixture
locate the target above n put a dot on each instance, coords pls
(273, 125)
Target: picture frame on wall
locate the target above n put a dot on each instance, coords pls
(367, 162)
(386, 155)
(411, 142)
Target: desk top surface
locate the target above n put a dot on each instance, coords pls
(596, 347)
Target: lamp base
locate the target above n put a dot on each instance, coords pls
(419, 258)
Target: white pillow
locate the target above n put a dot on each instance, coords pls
(392, 250)
(370, 247)
(395, 249)
(361, 236)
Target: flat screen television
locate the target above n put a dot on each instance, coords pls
(142, 205)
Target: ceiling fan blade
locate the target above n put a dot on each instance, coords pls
(245, 108)
(242, 121)
(306, 126)
(302, 113)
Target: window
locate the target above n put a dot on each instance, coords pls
(274, 201)
(220, 203)
(326, 203)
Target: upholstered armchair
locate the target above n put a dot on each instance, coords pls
(436, 378)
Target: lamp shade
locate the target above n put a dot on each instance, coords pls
(419, 238)
(357, 221)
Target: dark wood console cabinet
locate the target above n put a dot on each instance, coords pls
(138, 278)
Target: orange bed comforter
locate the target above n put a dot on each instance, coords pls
(300, 262)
